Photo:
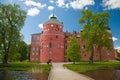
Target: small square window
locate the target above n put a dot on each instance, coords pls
(50, 52)
(32, 59)
(36, 53)
(36, 59)
(37, 49)
(32, 53)
(33, 48)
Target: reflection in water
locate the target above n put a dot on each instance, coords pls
(14, 75)
(22, 75)
(104, 74)
(118, 75)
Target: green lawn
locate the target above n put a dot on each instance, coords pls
(25, 66)
(86, 66)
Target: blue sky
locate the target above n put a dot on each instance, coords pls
(68, 12)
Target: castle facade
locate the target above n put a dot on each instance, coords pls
(52, 43)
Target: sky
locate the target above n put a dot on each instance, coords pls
(68, 12)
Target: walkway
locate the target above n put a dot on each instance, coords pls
(58, 72)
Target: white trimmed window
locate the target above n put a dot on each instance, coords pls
(33, 49)
(33, 53)
(36, 59)
(58, 45)
(37, 49)
(42, 45)
(32, 59)
(36, 53)
(50, 52)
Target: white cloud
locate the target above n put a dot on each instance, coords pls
(40, 26)
(80, 4)
(10, 1)
(111, 4)
(117, 47)
(33, 3)
(61, 3)
(51, 1)
(75, 4)
(50, 8)
(33, 12)
(114, 39)
(67, 5)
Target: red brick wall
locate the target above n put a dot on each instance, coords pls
(105, 54)
(35, 48)
(52, 33)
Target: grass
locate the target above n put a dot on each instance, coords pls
(25, 66)
(86, 66)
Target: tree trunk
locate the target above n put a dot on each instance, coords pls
(5, 59)
(100, 54)
(92, 54)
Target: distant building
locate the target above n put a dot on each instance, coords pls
(51, 44)
(117, 54)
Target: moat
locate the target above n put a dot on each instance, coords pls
(104, 74)
(23, 75)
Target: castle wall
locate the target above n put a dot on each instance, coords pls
(35, 48)
(52, 44)
(52, 34)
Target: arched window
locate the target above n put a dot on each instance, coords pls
(42, 45)
(58, 45)
(50, 45)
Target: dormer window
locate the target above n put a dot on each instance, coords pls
(51, 25)
(60, 26)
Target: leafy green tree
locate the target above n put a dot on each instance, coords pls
(94, 32)
(11, 21)
(23, 49)
(73, 50)
(103, 36)
(14, 57)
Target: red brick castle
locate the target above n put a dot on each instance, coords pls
(52, 42)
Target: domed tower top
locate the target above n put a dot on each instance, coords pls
(53, 19)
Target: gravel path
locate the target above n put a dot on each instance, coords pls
(58, 72)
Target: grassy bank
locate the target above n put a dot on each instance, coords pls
(85, 66)
(25, 66)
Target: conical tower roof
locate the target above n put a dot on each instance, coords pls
(53, 19)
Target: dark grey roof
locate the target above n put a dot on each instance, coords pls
(53, 19)
(37, 34)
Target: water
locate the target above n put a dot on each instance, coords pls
(22, 75)
(104, 74)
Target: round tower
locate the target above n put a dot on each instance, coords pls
(52, 41)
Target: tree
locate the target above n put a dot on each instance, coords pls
(11, 21)
(23, 50)
(95, 30)
(103, 36)
(73, 50)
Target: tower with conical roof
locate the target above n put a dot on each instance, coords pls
(52, 41)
